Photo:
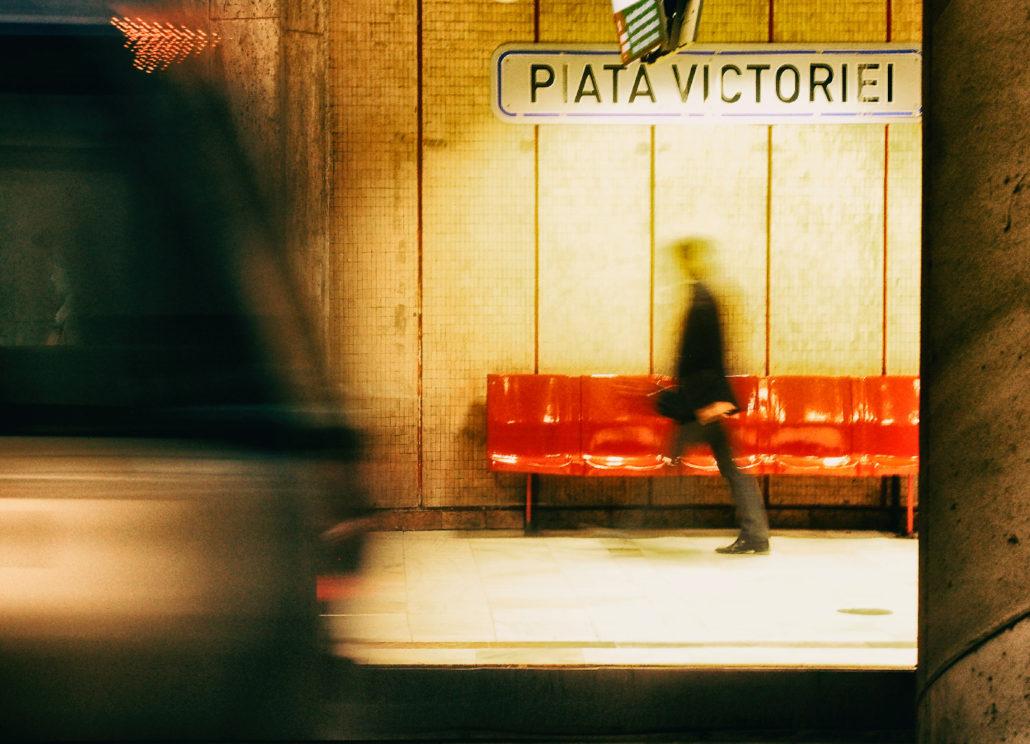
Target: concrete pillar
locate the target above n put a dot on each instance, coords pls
(305, 147)
(975, 506)
(273, 62)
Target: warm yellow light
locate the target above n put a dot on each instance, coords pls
(156, 45)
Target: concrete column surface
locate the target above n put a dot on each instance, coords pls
(975, 506)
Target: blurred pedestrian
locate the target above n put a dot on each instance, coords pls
(702, 398)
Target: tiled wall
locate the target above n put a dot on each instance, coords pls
(460, 245)
(373, 290)
(476, 247)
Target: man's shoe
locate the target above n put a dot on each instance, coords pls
(744, 544)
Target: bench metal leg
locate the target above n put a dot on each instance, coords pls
(910, 517)
(892, 484)
(528, 525)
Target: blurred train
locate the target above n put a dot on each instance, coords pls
(170, 449)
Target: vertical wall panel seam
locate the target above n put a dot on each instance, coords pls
(536, 249)
(650, 298)
(536, 216)
(419, 290)
(766, 482)
(651, 239)
(768, 220)
(886, 175)
(768, 249)
(886, 182)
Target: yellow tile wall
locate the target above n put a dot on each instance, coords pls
(478, 246)
(827, 250)
(826, 300)
(595, 246)
(906, 20)
(711, 181)
(569, 20)
(595, 263)
(733, 20)
(595, 255)
(905, 182)
(593, 251)
(373, 266)
(829, 20)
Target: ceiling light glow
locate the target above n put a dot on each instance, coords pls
(156, 46)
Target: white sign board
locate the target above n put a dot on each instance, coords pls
(757, 83)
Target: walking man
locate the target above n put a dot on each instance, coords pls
(703, 399)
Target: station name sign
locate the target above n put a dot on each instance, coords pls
(756, 83)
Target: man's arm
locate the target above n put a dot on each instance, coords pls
(716, 411)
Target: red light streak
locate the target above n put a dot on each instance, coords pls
(157, 46)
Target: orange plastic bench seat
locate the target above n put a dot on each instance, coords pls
(622, 433)
(533, 424)
(808, 426)
(886, 423)
(744, 430)
(606, 425)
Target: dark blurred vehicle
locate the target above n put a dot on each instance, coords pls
(169, 448)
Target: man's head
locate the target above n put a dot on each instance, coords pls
(695, 255)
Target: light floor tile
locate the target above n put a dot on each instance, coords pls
(466, 627)
(638, 597)
(385, 627)
(543, 625)
(530, 656)
(406, 656)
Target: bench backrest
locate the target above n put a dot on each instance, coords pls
(607, 425)
(533, 423)
(621, 431)
(809, 416)
(886, 419)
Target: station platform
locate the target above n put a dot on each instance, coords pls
(643, 599)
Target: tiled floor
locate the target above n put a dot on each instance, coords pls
(630, 598)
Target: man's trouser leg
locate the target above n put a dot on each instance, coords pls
(747, 497)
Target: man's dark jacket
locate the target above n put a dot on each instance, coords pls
(699, 366)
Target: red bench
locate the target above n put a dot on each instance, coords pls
(533, 424)
(605, 425)
(619, 430)
(808, 427)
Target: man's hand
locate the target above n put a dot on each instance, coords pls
(714, 412)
